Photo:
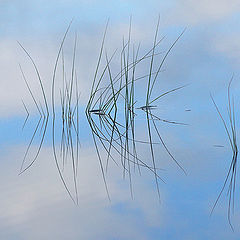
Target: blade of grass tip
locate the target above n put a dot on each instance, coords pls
(122, 72)
(229, 107)
(25, 121)
(151, 63)
(115, 79)
(120, 75)
(53, 113)
(91, 105)
(97, 67)
(109, 88)
(38, 75)
(170, 91)
(127, 60)
(163, 60)
(73, 71)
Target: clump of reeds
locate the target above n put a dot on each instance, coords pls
(111, 111)
(230, 128)
(69, 116)
(43, 111)
(118, 98)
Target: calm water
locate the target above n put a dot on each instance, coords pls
(35, 204)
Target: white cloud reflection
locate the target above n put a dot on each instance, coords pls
(35, 204)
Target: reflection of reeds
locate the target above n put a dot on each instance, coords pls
(44, 114)
(232, 137)
(67, 118)
(69, 105)
(70, 119)
(116, 132)
(110, 111)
